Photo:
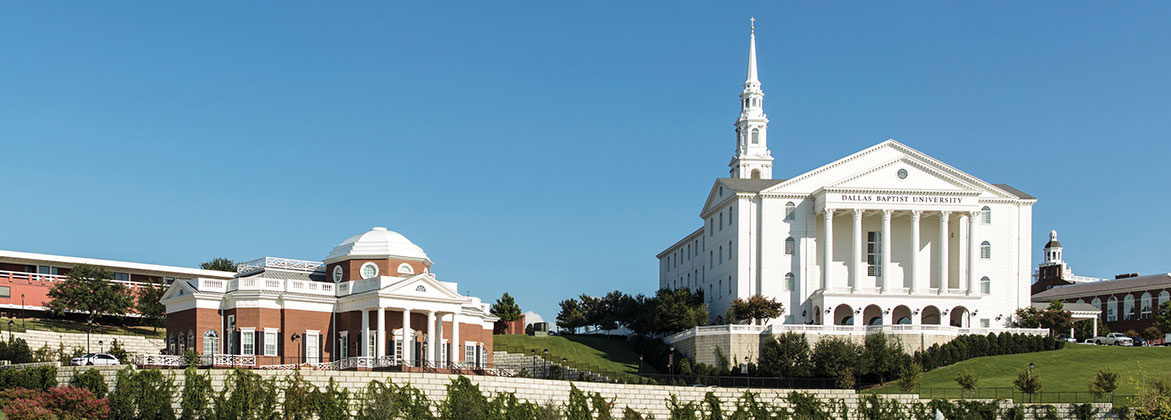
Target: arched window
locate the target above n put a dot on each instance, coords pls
(191, 339)
(405, 268)
(1097, 303)
(789, 282)
(985, 285)
(1163, 297)
(756, 174)
(986, 215)
(1128, 307)
(211, 342)
(985, 250)
(1111, 309)
(171, 345)
(755, 136)
(789, 208)
(182, 344)
(789, 245)
(1145, 306)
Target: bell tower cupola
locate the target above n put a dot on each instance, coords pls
(752, 159)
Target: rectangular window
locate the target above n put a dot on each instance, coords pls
(343, 345)
(729, 250)
(122, 276)
(247, 343)
(5, 291)
(984, 323)
(398, 348)
(874, 254)
(371, 341)
(721, 220)
(270, 343)
(311, 347)
(470, 352)
(443, 351)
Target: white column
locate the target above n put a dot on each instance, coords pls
(915, 215)
(408, 346)
(431, 333)
(859, 270)
(828, 254)
(886, 280)
(364, 338)
(943, 251)
(380, 348)
(961, 256)
(457, 348)
(973, 251)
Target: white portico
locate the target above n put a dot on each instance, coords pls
(885, 236)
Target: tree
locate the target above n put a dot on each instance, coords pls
(832, 356)
(88, 289)
(506, 309)
(909, 376)
(1105, 382)
(881, 357)
(219, 264)
(148, 305)
(612, 303)
(967, 380)
(1163, 318)
(571, 316)
(677, 310)
(755, 308)
(1055, 318)
(786, 356)
(1028, 383)
(1151, 333)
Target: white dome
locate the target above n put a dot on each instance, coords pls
(377, 243)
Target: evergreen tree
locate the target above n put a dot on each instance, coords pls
(219, 264)
(506, 309)
(571, 316)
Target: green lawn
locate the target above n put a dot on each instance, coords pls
(60, 325)
(596, 354)
(1067, 370)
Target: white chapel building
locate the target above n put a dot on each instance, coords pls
(885, 236)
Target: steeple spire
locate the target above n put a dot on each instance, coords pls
(752, 52)
(752, 159)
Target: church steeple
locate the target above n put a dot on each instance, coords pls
(753, 159)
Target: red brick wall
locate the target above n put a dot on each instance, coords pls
(198, 320)
(514, 327)
(386, 267)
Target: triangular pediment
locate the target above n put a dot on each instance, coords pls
(422, 286)
(177, 290)
(889, 165)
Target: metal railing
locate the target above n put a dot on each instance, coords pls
(1043, 397)
(745, 381)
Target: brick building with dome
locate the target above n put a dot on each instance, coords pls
(346, 311)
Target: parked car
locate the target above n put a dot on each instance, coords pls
(1090, 341)
(1138, 341)
(98, 359)
(1066, 338)
(1114, 339)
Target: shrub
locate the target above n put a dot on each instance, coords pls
(245, 395)
(389, 401)
(145, 394)
(39, 377)
(63, 403)
(807, 406)
(1105, 382)
(1028, 383)
(16, 351)
(92, 380)
(1084, 411)
(299, 397)
(833, 355)
(578, 407)
(196, 395)
(632, 414)
(711, 404)
(192, 358)
(333, 403)
(680, 411)
(464, 401)
(846, 379)
(967, 380)
(119, 353)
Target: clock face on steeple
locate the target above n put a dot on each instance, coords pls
(337, 273)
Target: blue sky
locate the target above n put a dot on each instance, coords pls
(552, 148)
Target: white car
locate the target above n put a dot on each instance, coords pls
(98, 359)
(1114, 339)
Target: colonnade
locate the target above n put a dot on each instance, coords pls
(858, 265)
(434, 333)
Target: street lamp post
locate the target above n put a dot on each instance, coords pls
(671, 365)
(744, 371)
(1031, 366)
(101, 347)
(10, 324)
(295, 338)
(546, 359)
(564, 366)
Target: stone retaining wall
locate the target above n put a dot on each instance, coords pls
(132, 343)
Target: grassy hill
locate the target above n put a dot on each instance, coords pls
(596, 354)
(1067, 370)
(68, 326)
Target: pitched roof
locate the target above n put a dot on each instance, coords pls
(288, 275)
(1154, 281)
(748, 185)
(1020, 194)
(1069, 306)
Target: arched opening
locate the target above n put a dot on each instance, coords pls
(901, 315)
(844, 315)
(959, 317)
(789, 243)
(1164, 297)
(1128, 307)
(873, 315)
(817, 315)
(756, 174)
(755, 136)
(789, 283)
(211, 342)
(1145, 306)
(929, 316)
(1112, 309)
(789, 207)
(985, 285)
(985, 250)
(986, 215)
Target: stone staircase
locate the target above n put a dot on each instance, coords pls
(536, 367)
(132, 343)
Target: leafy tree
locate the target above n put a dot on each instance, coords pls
(677, 310)
(612, 303)
(1055, 318)
(1105, 382)
(1151, 333)
(1163, 318)
(832, 356)
(1028, 383)
(632, 311)
(88, 290)
(756, 308)
(147, 305)
(881, 357)
(787, 356)
(909, 376)
(595, 312)
(571, 316)
(196, 395)
(967, 380)
(219, 264)
(506, 309)
(464, 401)
(92, 380)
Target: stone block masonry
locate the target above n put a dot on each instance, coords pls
(647, 399)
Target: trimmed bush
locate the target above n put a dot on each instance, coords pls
(92, 380)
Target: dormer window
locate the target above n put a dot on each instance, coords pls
(369, 270)
(405, 268)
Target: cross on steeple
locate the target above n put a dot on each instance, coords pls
(752, 23)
